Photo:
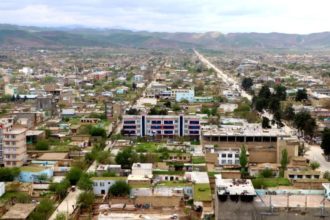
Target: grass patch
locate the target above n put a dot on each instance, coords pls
(174, 184)
(198, 159)
(14, 195)
(202, 192)
(57, 148)
(150, 147)
(259, 183)
(32, 169)
(167, 172)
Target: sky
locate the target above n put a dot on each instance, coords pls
(226, 16)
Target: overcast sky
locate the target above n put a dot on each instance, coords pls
(288, 16)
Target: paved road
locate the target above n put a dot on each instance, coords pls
(315, 153)
(68, 204)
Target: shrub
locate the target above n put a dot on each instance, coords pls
(120, 188)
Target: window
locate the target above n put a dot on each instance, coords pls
(316, 176)
(230, 155)
(168, 122)
(308, 176)
(223, 155)
(223, 162)
(291, 176)
(101, 184)
(299, 176)
(237, 155)
(95, 183)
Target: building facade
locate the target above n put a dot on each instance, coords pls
(161, 125)
(14, 147)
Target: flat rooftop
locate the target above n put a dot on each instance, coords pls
(234, 186)
(244, 130)
(53, 156)
(19, 211)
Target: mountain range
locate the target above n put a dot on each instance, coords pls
(76, 36)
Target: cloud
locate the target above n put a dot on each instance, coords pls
(294, 16)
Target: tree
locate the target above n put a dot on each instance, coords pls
(326, 175)
(42, 145)
(8, 174)
(247, 83)
(243, 160)
(126, 158)
(303, 121)
(97, 132)
(265, 123)
(60, 188)
(289, 113)
(266, 173)
(119, 188)
(85, 183)
(74, 175)
(325, 144)
(132, 111)
(60, 216)
(264, 92)
(301, 95)
(280, 92)
(86, 200)
(284, 161)
(314, 165)
(274, 104)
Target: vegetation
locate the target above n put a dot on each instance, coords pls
(265, 123)
(303, 121)
(284, 162)
(74, 175)
(202, 192)
(314, 165)
(8, 174)
(86, 200)
(260, 183)
(126, 158)
(266, 173)
(43, 210)
(85, 183)
(243, 161)
(247, 83)
(325, 145)
(119, 188)
(42, 145)
(301, 95)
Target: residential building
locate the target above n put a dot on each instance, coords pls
(14, 146)
(101, 185)
(183, 94)
(161, 125)
(228, 157)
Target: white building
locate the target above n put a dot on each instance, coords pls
(142, 169)
(183, 94)
(101, 185)
(228, 157)
(26, 70)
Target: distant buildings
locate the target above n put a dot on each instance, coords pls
(14, 146)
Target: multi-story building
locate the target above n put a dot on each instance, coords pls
(14, 146)
(183, 94)
(5, 124)
(161, 125)
(228, 157)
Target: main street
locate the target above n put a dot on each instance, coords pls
(314, 152)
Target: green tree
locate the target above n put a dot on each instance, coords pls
(247, 83)
(303, 121)
(74, 175)
(266, 173)
(243, 160)
(301, 95)
(314, 165)
(86, 200)
(280, 92)
(120, 188)
(60, 189)
(8, 174)
(284, 162)
(60, 216)
(289, 113)
(126, 158)
(325, 145)
(264, 92)
(265, 123)
(98, 132)
(85, 183)
(42, 145)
